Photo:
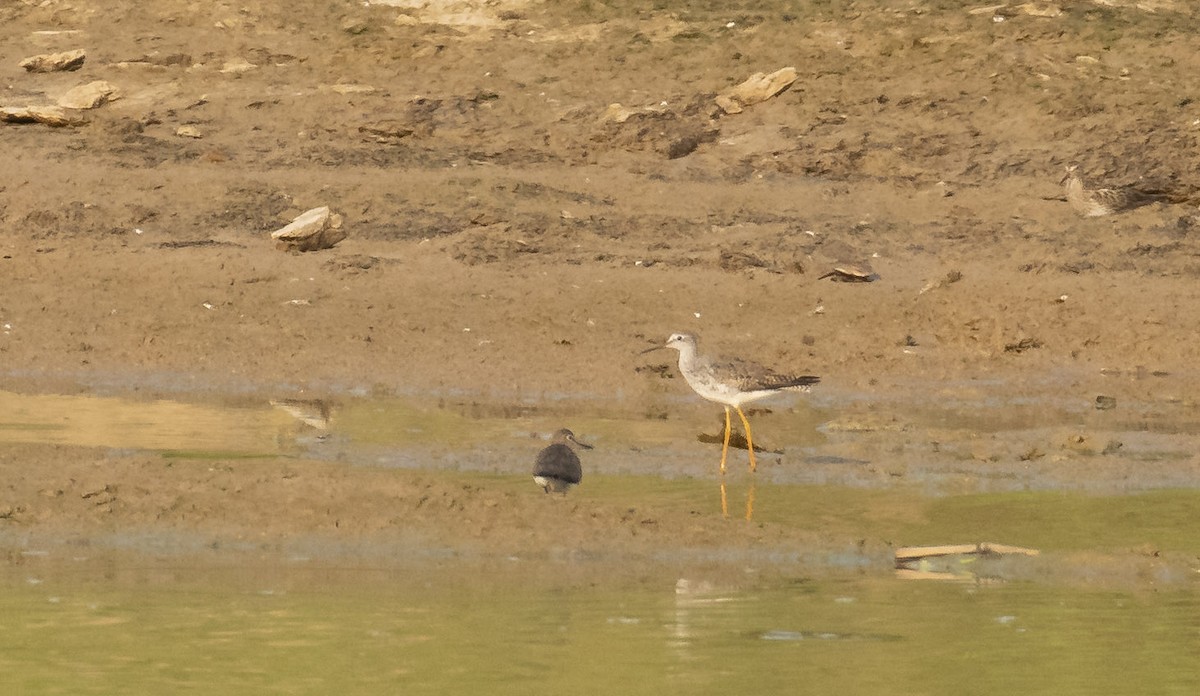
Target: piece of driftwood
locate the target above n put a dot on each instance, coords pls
(986, 548)
(955, 562)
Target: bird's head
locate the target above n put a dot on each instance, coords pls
(678, 341)
(565, 436)
(1069, 173)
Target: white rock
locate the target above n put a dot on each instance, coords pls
(54, 62)
(349, 88)
(312, 230)
(237, 66)
(89, 96)
(47, 114)
(616, 113)
(757, 88)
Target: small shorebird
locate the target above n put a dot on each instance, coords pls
(1106, 201)
(315, 413)
(557, 468)
(731, 382)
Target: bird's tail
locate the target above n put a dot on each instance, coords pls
(801, 382)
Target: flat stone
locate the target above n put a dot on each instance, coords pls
(237, 66)
(757, 88)
(48, 114)
(89, 96)
(312, 230)
(55, 62)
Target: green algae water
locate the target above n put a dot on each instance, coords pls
(447, 629)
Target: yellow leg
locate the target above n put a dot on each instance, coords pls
(750, 502)
(724, 501)
(749, 440)
(725, 447)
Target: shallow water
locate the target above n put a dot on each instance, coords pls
(137, 424)
(973, 446)
(1098, 612)
(895, 491)
(429, 629)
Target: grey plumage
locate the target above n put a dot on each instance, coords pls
(1106, 201)
(731, 383)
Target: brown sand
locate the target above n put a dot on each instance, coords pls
(507, 241)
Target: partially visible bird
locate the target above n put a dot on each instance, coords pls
(315, 413)
(731, 382)
(557, 468)
(1106, 201)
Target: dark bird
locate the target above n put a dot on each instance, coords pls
(557, 468)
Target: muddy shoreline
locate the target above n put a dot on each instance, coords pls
(512, 247)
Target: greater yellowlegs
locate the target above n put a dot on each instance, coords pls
(731, 382)
(557, 468)
(1106, 201)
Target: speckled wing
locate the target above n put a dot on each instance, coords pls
(558, 461)
(748, 377)
(1106, 201)
(1115, 200)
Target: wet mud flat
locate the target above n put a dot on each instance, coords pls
(386, 483)
(409, 556)
(532, 194)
